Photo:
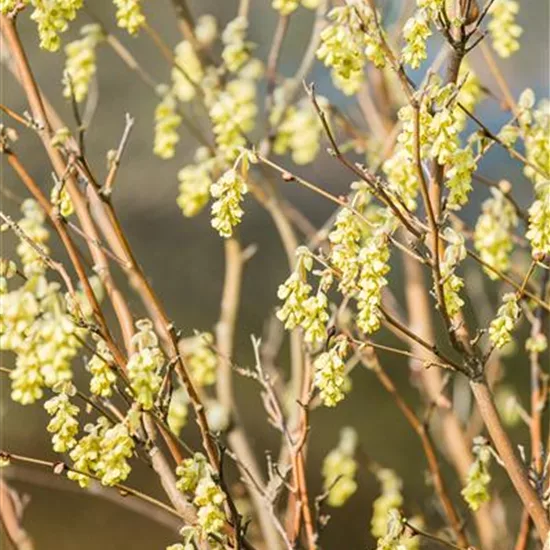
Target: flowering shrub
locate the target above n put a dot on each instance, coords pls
(120, 389)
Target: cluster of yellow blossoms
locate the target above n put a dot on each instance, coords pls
(347, 44)
(35, 323)
(330, 376)
(476, 492)
(503, 27)
(103, 453)
(145, 364)
(501, 327)
(299, 130)
(386, 523)
(493, 232)
(196, 479)
(286, 7)
(455, 252)
(80, 66)
(339, 469)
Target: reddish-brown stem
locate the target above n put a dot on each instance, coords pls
(514, 468)
(421, 431)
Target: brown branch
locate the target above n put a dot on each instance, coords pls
(371, 362)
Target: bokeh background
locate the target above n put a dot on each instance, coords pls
(184, 261)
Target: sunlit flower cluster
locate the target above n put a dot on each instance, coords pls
(415, 32)
(61, 199)
(452, 283)
(330, 376)
(300, 307)
(390, 499)
(167, 122)
(476, 490)
(233, 114)
(228, 193)
(129, 15)
(299, 131)
(187, 72)
(100, 366)
(345, 240)
(348, 42)
(503, 28)
(177, 410)
(501, 327)
(493, 232)
(196, 478)
(402, 176)
(64, 423)
(80, 66)
(145, 364)
(103, 453)
(339, 469)
(236, 51)
(195, 182)
(36, 325)
(539, 221)
(201, 359)
(373, 260)
(536, 128)
(52, 18)
(206, 29)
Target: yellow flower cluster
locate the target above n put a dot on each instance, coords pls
(35, 323)
(346, 45)
(452, 283)
(61, 199)
(501, 327)
(402, 176)
(145, 364)
(339, 469)
(52, 18)
(201, 359)
(233, 114)
(104, 452)
(129, 15)
(101, 367)
(236, 51)
(299, 131)
(539, 221)
(177, 410)
(536, 128)
(228, 193)
(80, 65)
(493, 232)
(85, 454)
(196, 479)
(63, 425)
(390, 499)
(206, 29)
(167, 122)
(195, 182)
(300, 309)
(415, 32)
(476, 492)
(345, 240)
(373, 260)
(330, 376)
(503, 27)
(188, 72)
(286, 7)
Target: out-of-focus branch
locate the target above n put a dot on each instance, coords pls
(236, 436)
(11, 515)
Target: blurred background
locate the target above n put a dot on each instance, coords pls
(184, 261)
